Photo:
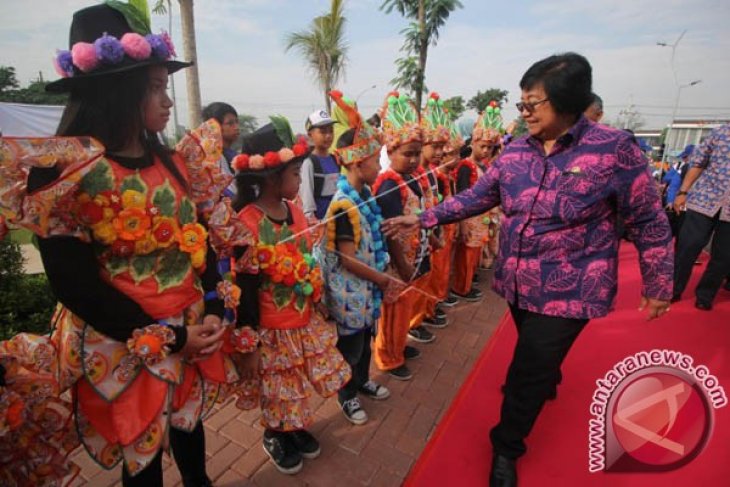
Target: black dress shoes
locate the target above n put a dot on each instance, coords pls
(703, 305)
(504, 472)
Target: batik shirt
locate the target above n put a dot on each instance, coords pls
(559, 245)
(711, 192)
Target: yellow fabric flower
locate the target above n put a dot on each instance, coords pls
(197, 258)
(133, 199)
(145, 245)
(132, 223)
(104, 233)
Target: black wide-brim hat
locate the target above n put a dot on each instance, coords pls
(91, 23)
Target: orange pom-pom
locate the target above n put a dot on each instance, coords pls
(240, 162)
(271, 159)
(148, 345)
(14, 414)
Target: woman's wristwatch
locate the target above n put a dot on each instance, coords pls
(680, 192)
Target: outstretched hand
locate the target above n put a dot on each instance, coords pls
(655, 307)
(393, 226)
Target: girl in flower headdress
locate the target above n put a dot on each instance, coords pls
(281, 288)
(355, 258)
(400, 193)
(119, 220)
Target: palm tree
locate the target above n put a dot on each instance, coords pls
(323, 47)
(428, 16)
(190, 53)
(161, 8)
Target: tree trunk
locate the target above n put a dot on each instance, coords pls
(422, 53)
(190, 54)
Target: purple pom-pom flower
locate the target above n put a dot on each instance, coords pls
(159, 46)
(64, 64)
(109, 50)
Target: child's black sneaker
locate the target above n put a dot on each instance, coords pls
(435, 322)
(476, 279)
(401, 373)
(373, 390)
(306, 444)
(472, 296)
(279, 447)
(411, 353)
(421, 335)
(450, 301)
(353, 411)
(439, 313)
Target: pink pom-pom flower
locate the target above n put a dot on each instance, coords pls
(84, 56)
(168, 41)
(136, 46)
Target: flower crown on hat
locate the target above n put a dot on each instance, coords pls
(401, 124)
(489, 124)
(136, 44)
(366, 141)
(435, 121)
(456, 141)
(273, 159)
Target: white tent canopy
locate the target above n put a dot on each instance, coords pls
(18, 120)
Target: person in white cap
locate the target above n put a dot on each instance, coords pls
(319, 170)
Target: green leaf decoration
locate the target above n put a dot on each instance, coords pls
(117, 265)
(135, 183)
(301, 303)
(284, 234)
(133, 12)
(283, 129)
(303, 248)
(143, 266)
(187, 211)
(98, 179)
(282, 296)
(164, 199)
(173, 268)
(267, 235)
(401, 111)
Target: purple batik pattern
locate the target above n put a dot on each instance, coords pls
(558, 244)
(711, 192)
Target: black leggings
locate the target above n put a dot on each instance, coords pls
(189, 452)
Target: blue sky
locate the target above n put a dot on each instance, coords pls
(486, 44)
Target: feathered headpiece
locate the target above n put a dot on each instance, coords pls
(435, 121)
(400, 121)
(489, 124)
(366, 142)
(456, 141)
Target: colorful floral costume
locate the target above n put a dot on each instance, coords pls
(297, 346)
(148, 244)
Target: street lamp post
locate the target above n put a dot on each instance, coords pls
(676, 101)
(364, 91)
(674, 114)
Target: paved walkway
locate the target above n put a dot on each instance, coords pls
(379, 453)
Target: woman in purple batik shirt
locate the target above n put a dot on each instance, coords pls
(561, 188)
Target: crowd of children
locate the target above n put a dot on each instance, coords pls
(185, 276)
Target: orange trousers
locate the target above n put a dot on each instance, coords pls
(422, 302)
(393, 326)
(466, 260)
(440, 276)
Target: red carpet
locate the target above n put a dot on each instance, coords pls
(459, 452)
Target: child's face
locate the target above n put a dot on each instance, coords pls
(433, 153)
(156, 104)
(290, 179)
(229, 128)
(322, 136)
(482, 149)
(369, 169)
(406, 158)
(451, 158)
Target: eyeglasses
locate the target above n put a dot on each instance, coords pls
(529, 106)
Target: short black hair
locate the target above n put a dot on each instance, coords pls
(218, 110)
(597, 100)
(566, 79)
(346, 139)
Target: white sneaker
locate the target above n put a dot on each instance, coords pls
(373, 390)
(354, 412)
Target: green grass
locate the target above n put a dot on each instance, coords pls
(21, 236)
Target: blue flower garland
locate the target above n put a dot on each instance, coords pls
(371, 210)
